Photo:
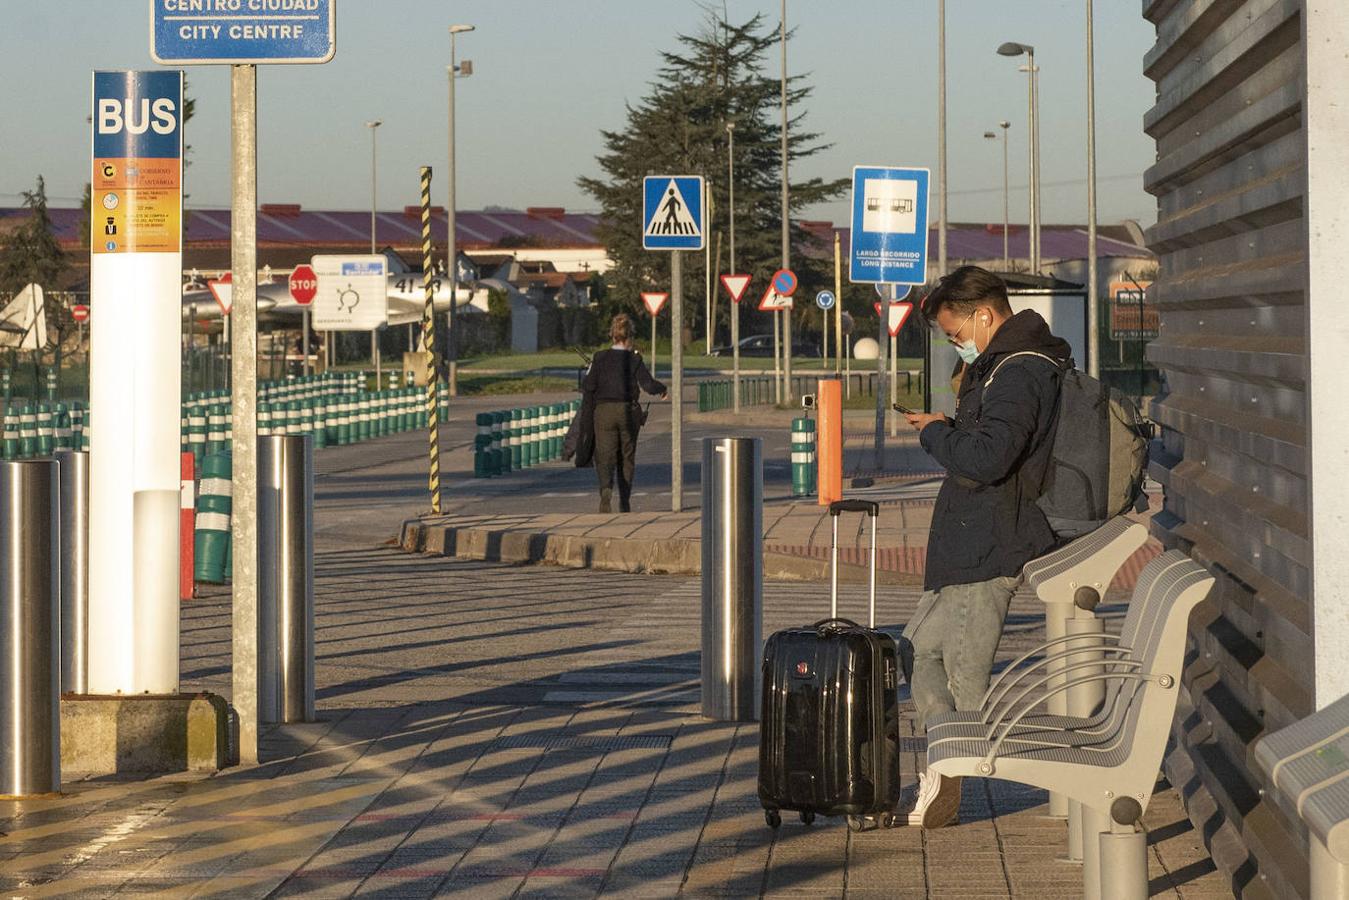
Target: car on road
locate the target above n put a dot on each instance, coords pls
(762, 345)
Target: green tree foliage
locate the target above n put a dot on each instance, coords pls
(715, 77)
(30, 253)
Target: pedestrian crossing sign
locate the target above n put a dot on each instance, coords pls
(672, 212)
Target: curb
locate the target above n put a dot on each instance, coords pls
(681, 556)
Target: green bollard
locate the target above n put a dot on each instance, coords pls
(27, 432)
(61, 424)
(803, 457)
(214, 507)
(11, 433)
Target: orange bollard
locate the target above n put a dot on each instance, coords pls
(829, 441)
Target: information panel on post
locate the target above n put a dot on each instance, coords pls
(351, 293)
(204, 32)
(889, 225)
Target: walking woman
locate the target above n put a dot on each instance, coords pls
(614, 384)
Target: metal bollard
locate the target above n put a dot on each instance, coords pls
(286, 579)
(30, 667)
(74, 558)
(732, 566)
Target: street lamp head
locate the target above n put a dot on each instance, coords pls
(1012, 48)
(374, 124)
(990, 135)
(730, 126)
(460, 29)
(1005, 125)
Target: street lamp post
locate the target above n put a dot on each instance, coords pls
(374, 205)
(1012, 48)
(786, 224)
(735, 306)
(451, 253)
(992, 136)
(1093, 293)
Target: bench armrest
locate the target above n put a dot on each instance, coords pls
(991, 702)
(987, 767)
(1040, 649)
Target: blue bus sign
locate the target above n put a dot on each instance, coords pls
(199, 32)
(889, 225)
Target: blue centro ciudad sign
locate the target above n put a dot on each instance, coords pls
(193, 32)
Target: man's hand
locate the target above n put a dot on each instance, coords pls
(919, 421)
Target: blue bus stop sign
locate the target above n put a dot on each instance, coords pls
(889, 225)
(299, 31)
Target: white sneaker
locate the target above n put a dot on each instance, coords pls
(933, 803)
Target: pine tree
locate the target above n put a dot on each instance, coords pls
(30, 254)
(713, 78)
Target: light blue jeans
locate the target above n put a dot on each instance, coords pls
(955, 633)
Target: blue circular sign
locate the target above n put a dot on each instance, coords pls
(784, 282)
(825, 299)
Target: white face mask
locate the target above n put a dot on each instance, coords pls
(968, 352)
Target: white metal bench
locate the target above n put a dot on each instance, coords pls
(1071, 582)
(1308, 765)
(1107, 761)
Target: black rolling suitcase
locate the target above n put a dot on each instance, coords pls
(829, 736)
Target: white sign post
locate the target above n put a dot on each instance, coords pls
(672, 219)
(135, 269)
(242, 36)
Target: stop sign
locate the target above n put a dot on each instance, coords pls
(79, 312)
(304, 284)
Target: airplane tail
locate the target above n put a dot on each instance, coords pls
(23, 322)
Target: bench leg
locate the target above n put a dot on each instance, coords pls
(1056, 626)
(1329, 876)
(1124, 864)
(1074, 831)
(1094, 823)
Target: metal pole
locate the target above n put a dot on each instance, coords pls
(786, 224)
(244, 369)
(894, 382)
(1035, 156)
(653, 346)
(676, 382)
(1006, 199)
(838, 301)
(451, 248)
(735, 305)
(286, 578)
(732, 584)
(1032, 258)
(74, 555)
(941, 137)
(878, 445)
(30, 668)
(304, 340)
(707, 272)
(428, 346)
(1093, 298)
(373, 200)
(777, 357)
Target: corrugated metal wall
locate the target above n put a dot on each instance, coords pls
(1229, 181)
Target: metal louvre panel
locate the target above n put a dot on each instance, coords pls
(1230, 182)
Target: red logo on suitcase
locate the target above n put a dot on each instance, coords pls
(803, 668)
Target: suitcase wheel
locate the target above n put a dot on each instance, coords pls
(861, 823)
(772, 817)
(807, 818)
(887, 820)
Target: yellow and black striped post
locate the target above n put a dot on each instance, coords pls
(429, 344)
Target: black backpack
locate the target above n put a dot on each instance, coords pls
(1099, 454)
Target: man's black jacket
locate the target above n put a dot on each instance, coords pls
(995, 453)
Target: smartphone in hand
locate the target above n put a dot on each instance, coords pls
(904, 409)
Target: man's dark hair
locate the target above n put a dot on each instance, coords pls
(965, 290)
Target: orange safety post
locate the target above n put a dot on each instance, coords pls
(829, 441)
(187, 523)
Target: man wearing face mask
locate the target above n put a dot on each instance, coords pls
(986, 524)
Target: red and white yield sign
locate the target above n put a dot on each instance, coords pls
(897, 315)
(79, 312)
(735, 286)
(654, 300)
(304, 284)
(222, 289)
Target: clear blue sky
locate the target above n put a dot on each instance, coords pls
(549, 74)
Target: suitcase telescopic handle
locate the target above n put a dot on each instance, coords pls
(870, 507)
(835, 620)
